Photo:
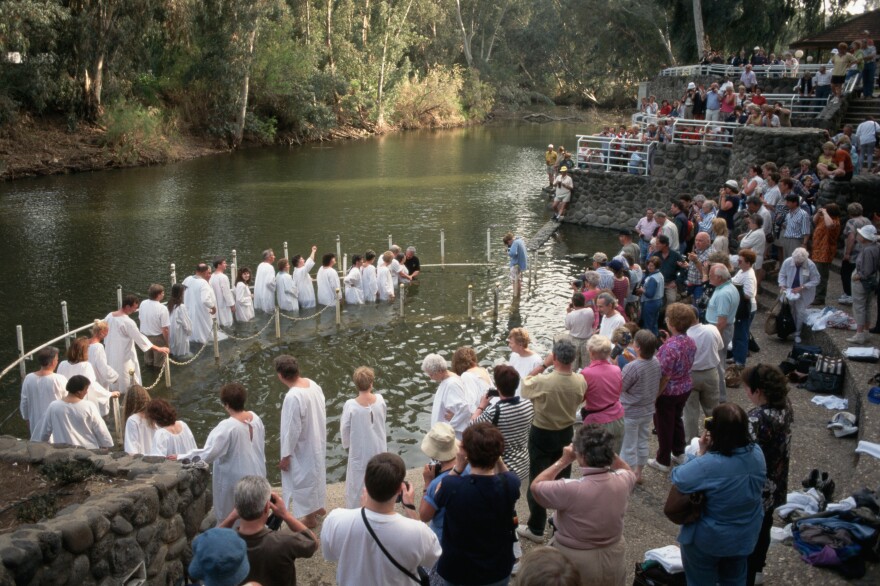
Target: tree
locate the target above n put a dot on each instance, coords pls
(698, 28)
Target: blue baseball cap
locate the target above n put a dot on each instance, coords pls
(219, 558)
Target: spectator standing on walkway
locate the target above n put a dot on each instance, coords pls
(550, 163)
(646, 227)
(851, 248)
(639, 388)
(579, 321)
(671, 262)
(555, 398)
(796, 227)
(602, 397)
(564, 186)
(799, 275)
(651, 291)
(721, 312)
(516, 250)
(864, 282)
(705, 389)
(866, 134)
(746, 279)
(668, 229)
(825, 236)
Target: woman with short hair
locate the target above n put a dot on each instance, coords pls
(799, 275)
(451, 403)
(590, 510)
(523, 359)
(478, 523)
(474, 377)
(73, 420)
(602, 397)
(730, 472)
(770, 422)
(78, 363)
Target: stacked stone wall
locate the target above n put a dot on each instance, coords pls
(783, 146)
(150, 519)
(668, 87)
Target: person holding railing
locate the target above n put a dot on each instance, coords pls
(840, 63)
(122, 336)
(869, 70)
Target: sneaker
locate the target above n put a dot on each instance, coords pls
(555, 217)
(560, 218)
(515, 569)
(845, 300)
(526, 533)
(657, 465)
(678, 460)
(859, 338)
(759, 578)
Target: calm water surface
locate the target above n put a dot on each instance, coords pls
(75, 238)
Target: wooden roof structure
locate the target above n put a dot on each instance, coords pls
(849, 31)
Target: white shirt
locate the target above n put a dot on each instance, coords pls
(264, 288)
(305, 289)
(153, 317)
(823, 78)
(709, 346)
(97, 394)
(37, 393)
(121, 338)
(609, 324)
(749, 283)
(345, 539)
(304, 440)
(452, 397)
(77, 424)
(580, 322)
(564, 185)
(867, 132)
(328, 283)
(223, 296)
(199, 300)
(166, 443)
(139, 434)
(475, 386)
(524, 365)
(671, 230)
(98, 359)
(757, 241)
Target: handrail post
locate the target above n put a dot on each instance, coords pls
(338, 308)
(19, 336)
(400, 297)
(470, 301)
(119, 296)
(442, 247)
(344, 264)
(338, 248)
(66, 323)
(497, 288)
(234, 267)
(167, 371)
(390, 242)
(216, 341)
(488, 244)
(173, 274)
(285, 250)
(277, 322)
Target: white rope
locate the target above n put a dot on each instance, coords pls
(158, 378)
(313, 316)
(188, 362)
(263, 329)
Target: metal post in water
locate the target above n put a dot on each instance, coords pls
(119, 296)
(19, 336)
(173, 274)
(338, 248)
(470, 301)
(344, 264)
(400, 296)
(216, 341)
(488, 244)
(442, 246)
(167, 371)
(234, 267)
(497, 290)
(390, 242)
(285, 249)
(338, 308)
(66, 323)
(277, 322)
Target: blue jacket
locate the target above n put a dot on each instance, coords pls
(733, 510)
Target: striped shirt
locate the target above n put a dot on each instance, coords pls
(695, 269)
(641, 383)
(514, 418)
(797, 224)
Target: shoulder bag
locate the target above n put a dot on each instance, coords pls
(682, 508)
(422, 578)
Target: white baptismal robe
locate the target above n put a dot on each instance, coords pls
(97, 394)
(76, 424)
(225, 299)
(199, 300)
(37, 393)
(363, 435)
(451, 397)
(236, 449)
(369, 283)
(304, 439)
(139, 434)
(304, 284)
(166, 443)
(179, 331)
(386, 283)
(328, 283)
(264, 288)
(286, 291)
(121, 356)
(244, 303)
(354, 295)
(107, 376)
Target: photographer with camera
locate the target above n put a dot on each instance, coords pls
(271, 553)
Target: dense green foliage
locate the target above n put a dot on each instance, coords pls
(292, 70)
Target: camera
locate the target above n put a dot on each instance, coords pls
(273, 522)
(493, 393)
(707, 424)
(400, 496)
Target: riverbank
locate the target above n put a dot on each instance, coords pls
(41, 146)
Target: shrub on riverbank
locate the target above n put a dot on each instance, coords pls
(137, 134)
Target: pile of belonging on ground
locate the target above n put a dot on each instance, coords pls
(840, 535)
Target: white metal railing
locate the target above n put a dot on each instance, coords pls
(703, 132)
(808, 106)
(611, 153)
(850, 84)
(725, 70)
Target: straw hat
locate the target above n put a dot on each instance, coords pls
(440, 442)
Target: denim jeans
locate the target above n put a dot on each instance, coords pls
(741, 339)
(869, 72)
(701, 568)
(643, 249)
(651, 313)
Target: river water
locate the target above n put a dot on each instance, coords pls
(74, 238)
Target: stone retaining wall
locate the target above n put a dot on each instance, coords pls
(784, 146)
(152, 518)
(863, 189)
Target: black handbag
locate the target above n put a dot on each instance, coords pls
(826, 376)
(785, 325)
(422, 578)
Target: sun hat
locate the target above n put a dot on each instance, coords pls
(600, 257)
(692, 86)
(868, 232)
(563, 169)
(549, 146)
(440, 443)
(219, 558)
(834, 51)
(732, 184)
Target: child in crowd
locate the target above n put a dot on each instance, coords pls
(641, 383)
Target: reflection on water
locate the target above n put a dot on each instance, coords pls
(74, 238)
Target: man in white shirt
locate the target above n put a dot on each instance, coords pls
(866, 134)
(579, 320)
(748, 78)
(705, 393)
(823, 83)
(154, 324)
(347, 538)
(222, 292)
(564, 186)
(668, 228)
(40, 388)
(606, 305)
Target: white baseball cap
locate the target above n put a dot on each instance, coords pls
(549, 146)
(692, 86)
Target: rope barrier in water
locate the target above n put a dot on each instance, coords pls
(263, 329)
(313, 316)
(190, 361)
(161, 372)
